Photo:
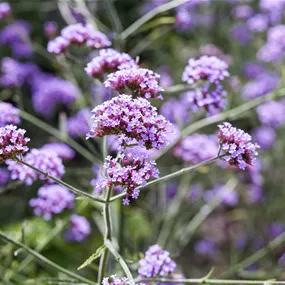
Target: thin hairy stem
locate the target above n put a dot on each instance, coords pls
(58, 181)
(170, 176)
(119, 258)
(150, 15)
(43, 259)
(54, 132)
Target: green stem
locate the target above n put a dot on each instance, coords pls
(178, 88)
(211, 281)
(54, 132)
(118, 257)
(58, 181)
(170, 176)
(107, 235)
(256, 256)
(151, 14)
(230, 114)
(44, 259)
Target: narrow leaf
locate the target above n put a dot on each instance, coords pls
(93, 257)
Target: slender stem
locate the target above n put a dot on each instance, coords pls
(46, 127)
(256, 256)
(151, 14)
(230, 114)
(107, 235)
(210, 281)
(170, 176)
(118, 257)
(58, 181)
(44, 259)
(178, 88)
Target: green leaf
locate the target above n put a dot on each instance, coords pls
(93, 257)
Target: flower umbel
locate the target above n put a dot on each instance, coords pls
(236, 145)
(135, 121)
(12, 142)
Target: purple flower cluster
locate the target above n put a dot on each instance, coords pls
(242, 12)
(133, 120)
(156, 262)
(258, 23)
(16, 37)
(4, 176)
(211, 98)
(5, 10)
(52, 199)
(236, 146)
(46, 161)
(9, 114)
(114, 280)
(265, 136)
(77, 125)
(133, 172)
(271, 113)
(274, 48)
(12, 142)
(78, 34)
(206, 247)
(80, 229)
(209, 68)
(108, 61)
(196, 148)
(241, 33)
(63, 150)
(140, 81)
(50, 29)
(14, 73)
(50, 91)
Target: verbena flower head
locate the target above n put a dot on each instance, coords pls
(236, 146)
(50, 28)
(96, 39)
(241, 33)
(77, 125)
(50, 91)
(133, 120)
(44, 160)
(242, 12)
(114, 280)
(157, 262)
(80, 229)
(210, 98)
(139, 81)
(258, 23)
(63, 150)
(265, 136)
(196, 148)
(271, 113)
(206, 247)
(133, 172)
(5, 10)
(209, 68)
(108, 61)
(58, 45)
(12, 142)
(52, 199)
(14, 73)
(75, 33)
(9, 114)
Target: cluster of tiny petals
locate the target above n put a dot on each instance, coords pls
(133, 172)
(156, 262)
(5, 10)
(58, 45)
(12, 142)
(80, 229)
(52, 199)
(140, 81)
(209, 68)
(78, 34)
(108, 61)
(44, 160)
(133, 120)
(237, 146)
(8, 114)
(114, 280)
(211, 99)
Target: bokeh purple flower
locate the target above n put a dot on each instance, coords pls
(79, 230)
(9, 114)
(63, 150)
(264, 136)
(58, 45)
(5, 10)
(77, 125)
